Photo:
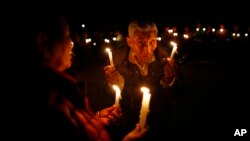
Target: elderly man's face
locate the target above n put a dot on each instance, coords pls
(143, 45)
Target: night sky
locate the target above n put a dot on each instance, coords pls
(164, 13)
(105, 15)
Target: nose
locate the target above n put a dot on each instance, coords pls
(147, 49)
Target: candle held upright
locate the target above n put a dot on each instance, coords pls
(144, 106)
(173, 50)
(110, 56)
(117, 94)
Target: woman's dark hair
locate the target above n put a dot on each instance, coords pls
(45, 31)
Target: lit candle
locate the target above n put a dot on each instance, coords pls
(173, 50)
(110, 56)
(117, 94)
(144, 106)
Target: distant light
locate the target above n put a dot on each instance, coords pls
(204, 29)
(158, 38)
(221, 30)
(106, 41)
(233, 34)
(213, 29)
(88, 40)
(197, 29)
(83, 25)
(185, 36)
(94, 43)
(246, 34)
(114, 39)
(238, 34)
(170, 31)
(175, 34)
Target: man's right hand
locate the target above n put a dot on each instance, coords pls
(113, 76)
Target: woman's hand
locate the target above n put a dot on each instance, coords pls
(109, 115)
(135, 134)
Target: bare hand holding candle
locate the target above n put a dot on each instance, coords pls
(117, 94)
(169, 69)
(110, 56)
(144, 106)
(173, 50)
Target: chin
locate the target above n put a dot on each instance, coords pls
(68, 65)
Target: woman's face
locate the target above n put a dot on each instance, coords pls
(61, 55)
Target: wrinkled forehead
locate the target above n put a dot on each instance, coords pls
(145, 34)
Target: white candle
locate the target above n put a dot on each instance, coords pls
(144, 106)
(110, 56)
(117, 94)
(173, 50)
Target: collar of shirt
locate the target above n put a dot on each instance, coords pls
(144, 68)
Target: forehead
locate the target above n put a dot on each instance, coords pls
(144, 35)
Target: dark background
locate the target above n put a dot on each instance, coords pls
(109, 15)
(116, 14)
(215, 102)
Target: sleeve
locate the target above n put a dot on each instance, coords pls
(61, 127)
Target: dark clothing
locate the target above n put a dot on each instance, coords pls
(158, 117)
(56, 122)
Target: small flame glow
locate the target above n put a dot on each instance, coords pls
(117, 89)
(144, 89)
(108, 50)
(173, 43)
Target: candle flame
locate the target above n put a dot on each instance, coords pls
(144, 89)
(117, 89)
(108, 49)
(173, 50)
(173, 43)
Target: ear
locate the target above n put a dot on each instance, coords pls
(129, 41)
(156, 44)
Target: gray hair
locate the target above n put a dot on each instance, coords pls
(147, 26)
